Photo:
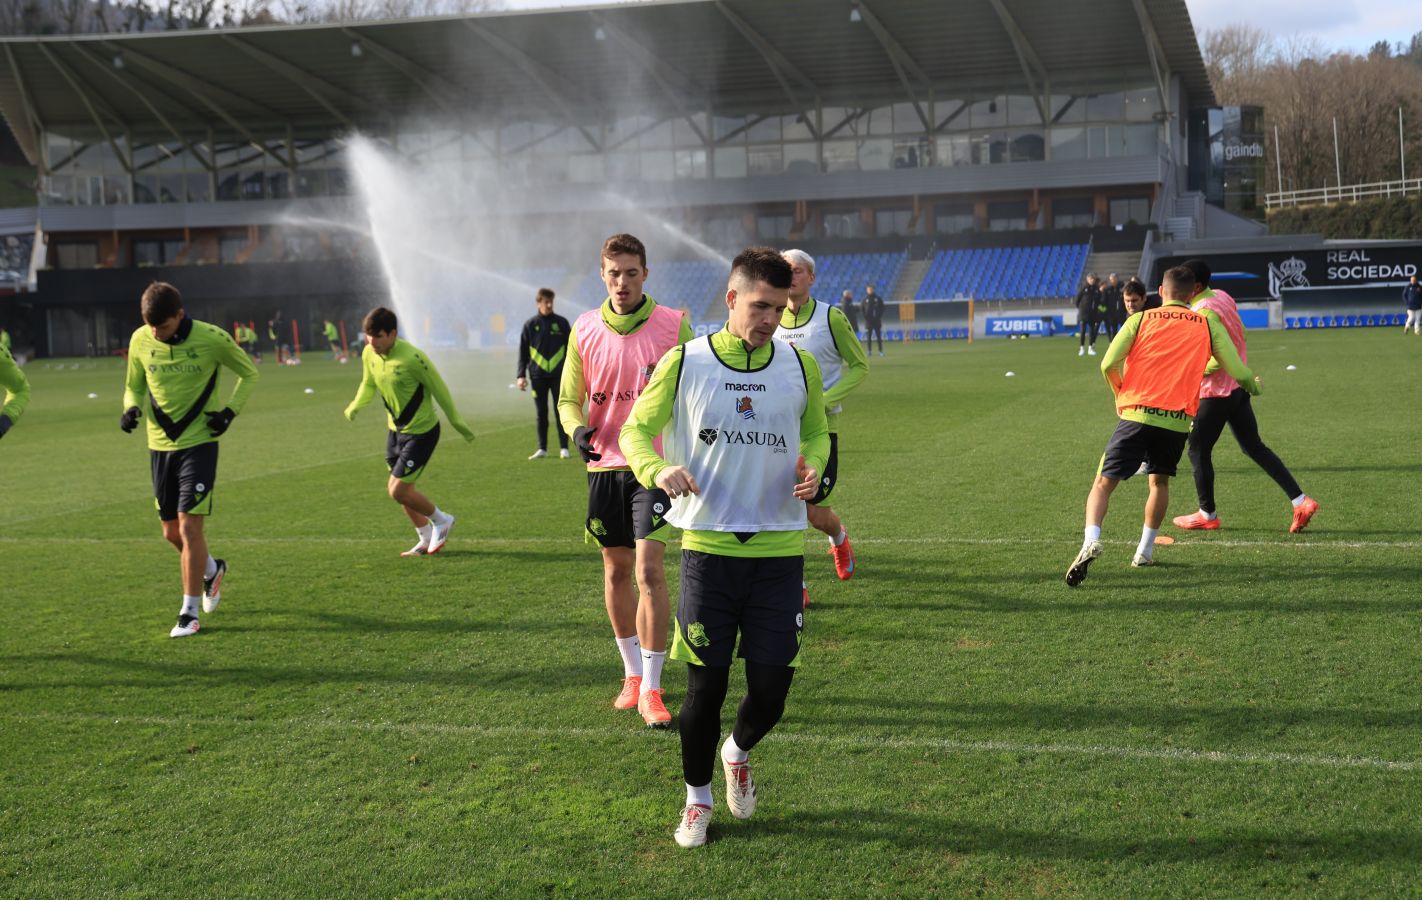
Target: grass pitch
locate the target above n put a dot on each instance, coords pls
(1241, 719)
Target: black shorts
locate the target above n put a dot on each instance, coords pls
(408, 454)
(1133, 443)
(831, 472)
(622, 512)
(183, 480)
(759, 598)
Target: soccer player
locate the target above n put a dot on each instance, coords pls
(334, 338)
(409, 386)
(742, 420)
(611, 354)
(1223, 402)
(824, 332)
(1154, 367)
(541, 349)
(173, 363)
(17, 391)
(1089, 311)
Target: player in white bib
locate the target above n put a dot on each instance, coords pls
(744, 438)
(824, 331)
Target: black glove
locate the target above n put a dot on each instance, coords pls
(5, 424)
(582, 436)
(130, 419)
(217, 422)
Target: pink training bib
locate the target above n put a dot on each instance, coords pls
(616, 367)
(1220, 383)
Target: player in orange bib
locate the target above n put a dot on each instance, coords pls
(1154, 367)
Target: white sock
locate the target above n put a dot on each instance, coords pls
(211, 569)
(1093, 533)
(439, 516)
(1210, 517)
(1147, 543)
(699, 795)
(426, 533)
(839, 540)
(652, 669)
(190, 605)
(732, 753)
(1299, 500)
(631, 656)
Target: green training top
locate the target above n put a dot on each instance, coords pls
(407, 383)
(16, 385)
(854, 362)
(1220, 346)
(178, 378)
(653, 410)
(331, 333)
(573, 389)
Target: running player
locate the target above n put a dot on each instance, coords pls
(730, 407)
(611, 354)
(1154, 367)
(173, 362)
(17, 391)
(333, 338)
(825, 333)
(1223, 402)
(541, 349)
(409, 386)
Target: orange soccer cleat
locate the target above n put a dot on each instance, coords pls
(1302, 513)
(653, 710)
(1197, 520)
(843, 559)
(627, 699)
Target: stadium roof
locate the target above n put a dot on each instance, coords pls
(580, 65)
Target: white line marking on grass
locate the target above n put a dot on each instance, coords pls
(1177, 754)
(1071, 541)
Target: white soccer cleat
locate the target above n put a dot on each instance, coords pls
(740, 789)
(187, 625)
(440, 533)
(563, 454)
(420, 549)
(1140, 561)
(1090, 351)
(695, 819)
(538, 454)
(1080, 351)
(212, 588)
(1077, 573)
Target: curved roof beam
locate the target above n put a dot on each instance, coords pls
(1032, 68)
(680, 91)
(107, 68)
(28, 118)
(94, 105)
(903, 63)
(783, 70)
(1156, 53)
(314, 86)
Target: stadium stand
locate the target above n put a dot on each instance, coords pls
(1005, 273)
(840, 272)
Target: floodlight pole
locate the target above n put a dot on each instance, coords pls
(1337, 164)
(1401, 150)
(1278, 160)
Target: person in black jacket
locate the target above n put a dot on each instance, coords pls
(850, 310)
(1115, 309)
(873, 319)
(1089, 312)
(1412, 299)
(541, 350)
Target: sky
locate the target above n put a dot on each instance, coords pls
(1353, 25)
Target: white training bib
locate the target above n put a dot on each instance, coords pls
(739, 434)
(815, 338)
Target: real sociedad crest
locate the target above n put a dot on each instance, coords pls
(1286, 274)
(745, 408)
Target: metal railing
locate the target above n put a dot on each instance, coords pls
(1336, 193)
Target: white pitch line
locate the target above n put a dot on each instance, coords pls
(1176, 754)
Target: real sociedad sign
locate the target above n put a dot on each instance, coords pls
(1265, 276)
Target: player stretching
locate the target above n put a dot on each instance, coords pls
(824, 332)
(1223, 402)
(409, 386)
(17, 391)
(611, 354)
(742, 417)
(1154, 367)
(173, 362)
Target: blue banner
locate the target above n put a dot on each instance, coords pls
(1006, 326)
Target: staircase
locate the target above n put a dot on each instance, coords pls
(910, 277)
(1185, 217)
(1125, 263)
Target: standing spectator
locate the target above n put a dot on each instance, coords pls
(1412, 299)
(851, 311)
(873, 319)
(1088, 314)
(541, 350)
(1115, 311)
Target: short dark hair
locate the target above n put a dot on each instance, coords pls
(545, 292)
(1178, 280)
(1134, 287)
(623, 243)
(1200, 269)
(379, 321)
(161, 302)
(756, 264)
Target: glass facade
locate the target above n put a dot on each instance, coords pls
(985, 128)
(1227, 157)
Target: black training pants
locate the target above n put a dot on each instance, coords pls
(700, 717)
(1210, 420)
(871, 329)
(1092, 325)
(545, 390)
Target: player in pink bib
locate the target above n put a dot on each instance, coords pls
(611, 354)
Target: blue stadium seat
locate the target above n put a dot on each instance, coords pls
(1290, 322)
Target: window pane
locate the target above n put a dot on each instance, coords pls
(1142, 140)
(1106, 107)
(801, 159)
(876, 153)
(1068, 143)
(989, 112)
(1022, 110)
(765, 160)
(954, 151)
(841, 156)
(730, 162)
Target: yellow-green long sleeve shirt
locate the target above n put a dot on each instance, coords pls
(16, 385)
(178, 377)
(409, 385)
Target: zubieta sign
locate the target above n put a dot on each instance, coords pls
(1007, 326)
